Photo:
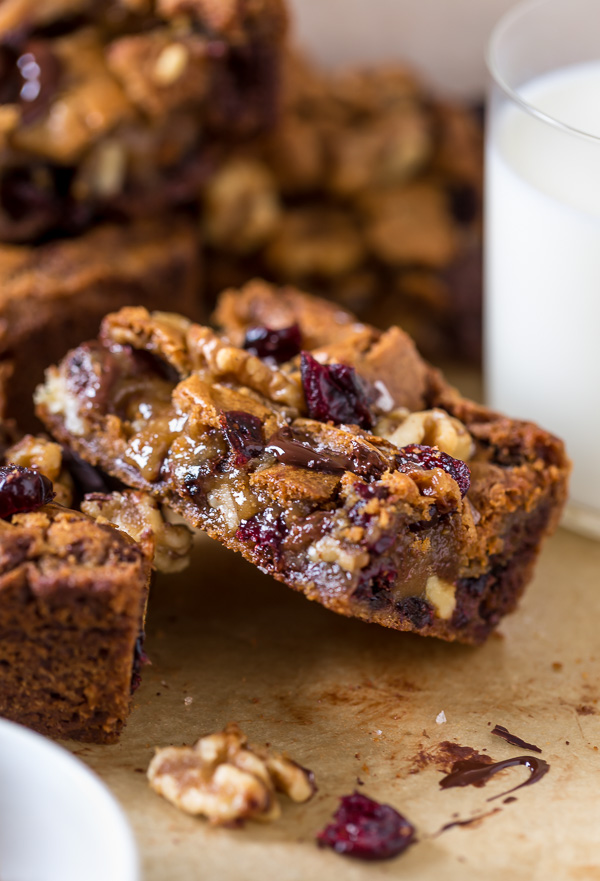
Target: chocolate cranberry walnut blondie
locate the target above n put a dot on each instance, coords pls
(326, 452)
(72, 594)
(368, 190)
(120, 107)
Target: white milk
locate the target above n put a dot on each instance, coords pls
(543, 270)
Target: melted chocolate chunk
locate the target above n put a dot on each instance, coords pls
(244, 434)
(472, 772)
(276, 345)
(91, 372)
(503, 732)
(418, 611)
(367, 830)
(23, 489)
(334, 393)
(295, 447)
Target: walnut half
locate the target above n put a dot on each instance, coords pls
(224, 779)
(435, 428)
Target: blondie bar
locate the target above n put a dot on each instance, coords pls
(119, 108)
(326, 452)
(54, 295)
(368, 190)
(73, 592)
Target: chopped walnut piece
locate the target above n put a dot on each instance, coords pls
(435, 428)
(161, 333)
(45, 456)
(208, 352)
(442, 596)
(140, 516)
(224, 779)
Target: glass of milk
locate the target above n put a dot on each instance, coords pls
(542, 236)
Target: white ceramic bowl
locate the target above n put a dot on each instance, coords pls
(58, 822)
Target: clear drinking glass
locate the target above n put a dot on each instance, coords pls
(542, 232)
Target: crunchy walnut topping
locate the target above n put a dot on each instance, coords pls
(224, 779)
(161, 333)
(140, 516)
(208, 352)
(45, 456)
(435, 428)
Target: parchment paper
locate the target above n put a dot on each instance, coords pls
(357, 702)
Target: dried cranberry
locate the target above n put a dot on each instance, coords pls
(334, 393)
(367, 491)
(428, 458)
(23, 489)
(376, 580)
(140, 659)
(475, 587)
(366, 829)
(278, 345)
(371, 491)
(266, 530)
(244, 434)
(417, 610)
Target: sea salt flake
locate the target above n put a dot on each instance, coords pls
(441, 718)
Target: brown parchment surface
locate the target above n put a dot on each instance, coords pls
(357, 702)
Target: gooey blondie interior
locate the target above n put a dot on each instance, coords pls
(328, 453)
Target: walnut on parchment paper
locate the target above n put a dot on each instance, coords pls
(226, 780)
